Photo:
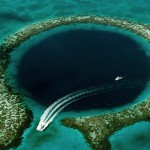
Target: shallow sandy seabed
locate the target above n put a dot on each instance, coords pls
(99, 127)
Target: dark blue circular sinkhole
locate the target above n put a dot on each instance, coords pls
(80, 58)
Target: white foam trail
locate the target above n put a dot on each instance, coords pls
(47, 116)
(52, 111)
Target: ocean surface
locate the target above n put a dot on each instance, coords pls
(72, 60)
(69, 58)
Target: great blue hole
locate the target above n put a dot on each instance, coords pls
(76, 59)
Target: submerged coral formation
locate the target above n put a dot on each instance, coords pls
(14, 115)
(25, 33)
(98, 129)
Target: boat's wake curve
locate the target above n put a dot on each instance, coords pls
(52, 111)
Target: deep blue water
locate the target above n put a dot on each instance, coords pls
(76, 59)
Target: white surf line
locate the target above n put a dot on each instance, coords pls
(54, 110)
(53, 107)
(60, 100)
(71, 96)
(56, 113)
(83, 93)
(51, 112)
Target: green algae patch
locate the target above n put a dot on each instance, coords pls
(98, 129)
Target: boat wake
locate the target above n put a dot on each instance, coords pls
(52, 111)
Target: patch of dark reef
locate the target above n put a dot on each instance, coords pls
(77, 59)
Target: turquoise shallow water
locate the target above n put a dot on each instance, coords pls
(58, 137)
(15, 14)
